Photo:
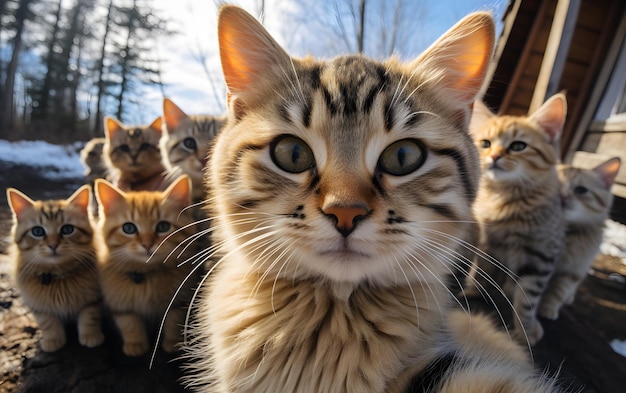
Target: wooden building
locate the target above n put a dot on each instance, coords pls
(576, 46)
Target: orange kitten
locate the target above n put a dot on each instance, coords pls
(55, 265)
(139, 235)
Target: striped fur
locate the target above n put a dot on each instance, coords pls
(342, 195)
(587, 198)
(138, 260)
(132, 156)
(55, 266)
(185, 144)
(518, 205)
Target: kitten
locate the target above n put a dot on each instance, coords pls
(342, 191)
(55, 266)
(185, 143)
(139, 233)
(518, 203)
(92, 160)
(133, 157)
(586, 196)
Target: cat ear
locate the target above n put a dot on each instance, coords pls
(111, 127)
(157, 124)
(18, 201)
(248, 54)
(172, 114)
(179, 191)
(608, 171)
(108, 196)
(551, 116)
(460, 57)
(81, 198)
(480, 115)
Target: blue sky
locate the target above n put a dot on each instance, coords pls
(299, 25)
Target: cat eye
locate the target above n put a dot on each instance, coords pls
(129, 228)
(402, 157)
(144, 147)
(517, 146)
(38, 231)
(67, 229)
(485, 143)
(124, 148)
(291, 154)
(163, 226)
(190, 143)
(580, 190)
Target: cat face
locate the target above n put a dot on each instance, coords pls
(133, 150)
(91, 158)
(133, 225)
(51, 231)
(357, 170)
(514, 149)
(586, 193)
(186, 140)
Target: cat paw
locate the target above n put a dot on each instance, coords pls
(91, 340)
(532, 336)
(51, 344)
(549, 312)
(135, 348)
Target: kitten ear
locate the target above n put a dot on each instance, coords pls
(108, 196)
(18, 201)
(172, 114)
(248, 54)
(179, 191)
(81, 198)
(480, 115)
(608, 171)
(460, 57)
(551, 116)
(157, 124)
(111, 127)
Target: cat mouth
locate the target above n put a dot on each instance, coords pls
(344, 252)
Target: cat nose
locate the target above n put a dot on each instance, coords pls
(495, 157)
(53, 247)
(346, 218)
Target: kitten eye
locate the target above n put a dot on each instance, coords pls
(291, 154)
(517, 146)
(67, 229)
(144, 146)
(190, 143)
(485, 143)
(163, 226)
(38, 231)
(402, 157)
(124, 148)
(129, 228)
(580, 190)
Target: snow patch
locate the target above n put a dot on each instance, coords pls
(55, 161)
(619, 346)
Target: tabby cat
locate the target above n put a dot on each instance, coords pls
(139, 233)
(342, 192)
(133, 157)
(92, 160)
(518, 203)
(55, 266)
(587, 198)
(185, 143)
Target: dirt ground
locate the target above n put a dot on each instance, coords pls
(575, 346)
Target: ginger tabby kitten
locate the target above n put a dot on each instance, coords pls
(341, 192)
(140, 234)
(55, 266)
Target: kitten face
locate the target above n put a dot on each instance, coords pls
(52, 231)
(513, 149)
(586, 193)
(133, 225)
(358, 170)
(91, 158)
(134, 150)
(186, 140)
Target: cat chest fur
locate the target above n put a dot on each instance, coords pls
(279, 336)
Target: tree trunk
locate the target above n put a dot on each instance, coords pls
(44, 99)
(125, 63)
(100, 70)
(361, 33)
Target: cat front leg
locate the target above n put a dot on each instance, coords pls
(89, 326)
(172, 332)
(133, 333)
(533, 279)
(52, 330)
(561, 290)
